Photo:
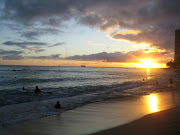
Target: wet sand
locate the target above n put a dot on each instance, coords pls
(161, 123)
(165, 122)
(97, 116)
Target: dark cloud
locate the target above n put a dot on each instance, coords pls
(160, 11)
(91, 20)
(104, 56)
(57, 44)
(155, 37)
(4, 52)
(13, 57)
(36, 49)
(17, 56)
(132, 56)
(24, 44)
(39, 50)
(34, 34)
(54, 57)
(156, 19)
(28, 12)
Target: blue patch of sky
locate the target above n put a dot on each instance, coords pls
(78, 39)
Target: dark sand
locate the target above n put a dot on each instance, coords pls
(161, 123)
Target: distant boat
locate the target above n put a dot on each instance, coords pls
(83, 66)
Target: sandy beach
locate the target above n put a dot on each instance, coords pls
(161, 123)
(165, 122)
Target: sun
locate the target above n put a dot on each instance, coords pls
(147, 63)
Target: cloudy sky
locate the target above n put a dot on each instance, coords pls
(87, 32)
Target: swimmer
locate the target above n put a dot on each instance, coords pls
(57, 106)
(37, 90)
(170, 81)
(157, 83)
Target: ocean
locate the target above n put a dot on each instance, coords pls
(72, 86)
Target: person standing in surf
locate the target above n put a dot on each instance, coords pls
(37, 90)
(170, 81)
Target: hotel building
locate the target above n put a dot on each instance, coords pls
(177, 48)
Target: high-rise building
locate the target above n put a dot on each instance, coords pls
(177, 48)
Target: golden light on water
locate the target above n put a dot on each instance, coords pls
(152, 101)
(148, 71)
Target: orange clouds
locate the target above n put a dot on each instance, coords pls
(134, 32)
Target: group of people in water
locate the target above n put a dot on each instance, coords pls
(171, 82)
(37, 90)
(58, 105)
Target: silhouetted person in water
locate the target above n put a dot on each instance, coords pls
(57, 106)
(157, 83)
(37, 90)
(170, 81)
(23, 88)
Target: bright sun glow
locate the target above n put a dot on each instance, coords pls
(147, 63)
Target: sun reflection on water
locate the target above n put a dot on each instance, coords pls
(148, 71)
(153, 102)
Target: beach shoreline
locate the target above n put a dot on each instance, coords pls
(165, 122)
(38, 109)
(107, 112)
(94, 117)
(27, 111)
(69, 90)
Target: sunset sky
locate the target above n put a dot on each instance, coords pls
(97, 33)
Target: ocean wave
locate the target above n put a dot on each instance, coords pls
(72, 86)
(44, 106)
(15, 97)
